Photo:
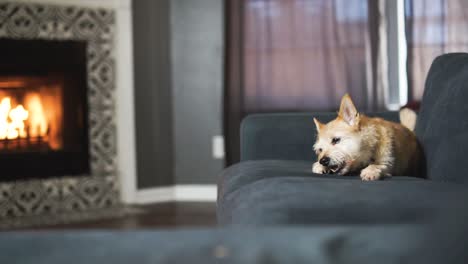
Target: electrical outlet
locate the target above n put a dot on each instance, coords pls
(218, 147)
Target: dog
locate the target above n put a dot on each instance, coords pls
(373, 147)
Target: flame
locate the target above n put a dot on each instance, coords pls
(37, 120)
(13, 121)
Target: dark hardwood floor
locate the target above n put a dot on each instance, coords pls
(163, 215)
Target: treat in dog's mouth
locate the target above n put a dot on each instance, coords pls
(335, 168)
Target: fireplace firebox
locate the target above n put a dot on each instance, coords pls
(43, 109)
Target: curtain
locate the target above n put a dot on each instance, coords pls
(300, 55)
(304, 54)
(233, 79)
(433, 27)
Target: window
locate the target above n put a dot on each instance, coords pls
(304, 55)
(432, 28)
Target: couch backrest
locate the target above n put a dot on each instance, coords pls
(285, 136)
(442, 125)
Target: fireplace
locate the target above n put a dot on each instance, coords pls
(43, 109)
(58, 64)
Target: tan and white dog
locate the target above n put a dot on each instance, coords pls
(372, 147)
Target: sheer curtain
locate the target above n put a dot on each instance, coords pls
(304, 54)
(299, 55)
(433, 27)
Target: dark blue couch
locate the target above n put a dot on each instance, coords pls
(382, 244)
(274, 184)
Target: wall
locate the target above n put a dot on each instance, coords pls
(197, 67)
(153, 104)
(178, 81)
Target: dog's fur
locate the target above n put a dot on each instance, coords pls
(371, 146)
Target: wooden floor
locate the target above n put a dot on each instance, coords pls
(164, 215)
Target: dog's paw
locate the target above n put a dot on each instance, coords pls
(371, 173)
(319, 169)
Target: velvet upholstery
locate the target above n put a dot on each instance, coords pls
(333, 244)
(286, 136)
(442, 124)
(281, 192)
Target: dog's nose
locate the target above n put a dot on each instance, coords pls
(325, 161)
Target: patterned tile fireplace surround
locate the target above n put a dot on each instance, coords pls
(100, 189)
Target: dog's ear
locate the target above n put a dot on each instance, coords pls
(348, 111)
(318, 125)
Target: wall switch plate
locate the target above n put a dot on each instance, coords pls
(218, 147)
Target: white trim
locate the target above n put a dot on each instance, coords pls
(391, 32)
(154, 195)
(177, 193)
(125, 116)
(383, 56)
(369, 69)
(402, 53)
(397, 94)
(200, 193)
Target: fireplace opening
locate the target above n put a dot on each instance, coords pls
(30, 114)
(43, 109)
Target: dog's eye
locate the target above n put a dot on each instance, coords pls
(319, 150)
(335, 140)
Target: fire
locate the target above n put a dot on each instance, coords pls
(37, 121)
(19, 122)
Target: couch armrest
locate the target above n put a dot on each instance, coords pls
(285, 136)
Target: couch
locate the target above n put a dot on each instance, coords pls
(274, 184)
(383, 244)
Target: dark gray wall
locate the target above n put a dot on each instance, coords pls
(178, 46)
(153, 109)
(197, 68)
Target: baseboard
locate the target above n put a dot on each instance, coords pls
(154, 195)
(177, 193)
(199, 193)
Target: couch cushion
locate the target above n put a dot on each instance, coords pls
(442, 125)
(248, 172)
(287, 192)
